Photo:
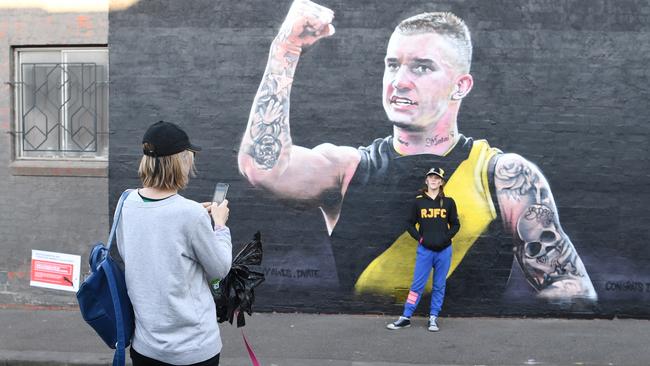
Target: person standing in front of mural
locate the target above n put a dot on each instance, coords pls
(171, 252)
(426, 77)
(437, 220)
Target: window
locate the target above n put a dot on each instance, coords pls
(61, 104)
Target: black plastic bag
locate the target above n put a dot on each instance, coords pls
(235, 294)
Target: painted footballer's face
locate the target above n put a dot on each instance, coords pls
(419, 79)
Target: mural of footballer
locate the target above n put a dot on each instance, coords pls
(426, 77)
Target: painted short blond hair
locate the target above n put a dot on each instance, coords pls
(170, 172)
(445, 24)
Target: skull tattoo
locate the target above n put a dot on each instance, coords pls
(544, 253)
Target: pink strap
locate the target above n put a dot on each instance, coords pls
(251, 354)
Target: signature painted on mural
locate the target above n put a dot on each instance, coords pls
(291, 273)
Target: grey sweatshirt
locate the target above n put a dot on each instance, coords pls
(171, 253)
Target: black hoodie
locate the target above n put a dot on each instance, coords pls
(438, 221)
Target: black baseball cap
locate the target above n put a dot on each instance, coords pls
(166, 138)
(437, 171)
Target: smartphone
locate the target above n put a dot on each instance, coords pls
(220, 192)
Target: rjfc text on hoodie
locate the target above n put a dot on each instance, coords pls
(437, 219)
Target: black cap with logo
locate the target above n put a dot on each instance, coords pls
(437, 171)
(166, 138)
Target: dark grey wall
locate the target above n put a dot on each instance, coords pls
(564, 84)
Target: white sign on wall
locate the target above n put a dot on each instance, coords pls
(53, 270)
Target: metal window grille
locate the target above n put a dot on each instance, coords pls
(61, 108)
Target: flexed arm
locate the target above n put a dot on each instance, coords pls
(544, 251)
(267, 157)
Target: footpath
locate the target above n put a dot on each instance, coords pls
(60, 337)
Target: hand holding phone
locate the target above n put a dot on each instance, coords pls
(219, 209)
(220, 192)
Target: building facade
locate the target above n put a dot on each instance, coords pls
(54, 150)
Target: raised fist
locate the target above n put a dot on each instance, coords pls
(306, 23)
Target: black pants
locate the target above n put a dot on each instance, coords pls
(140, 360)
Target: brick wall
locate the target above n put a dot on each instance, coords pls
(52, 213)
(564, 84)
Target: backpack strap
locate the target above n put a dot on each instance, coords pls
(119, 358)
(118, 214)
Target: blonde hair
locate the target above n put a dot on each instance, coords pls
(445, 24)
(441, 190)
(167, 172)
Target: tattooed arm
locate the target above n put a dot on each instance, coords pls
(314, 177)
(543, 250)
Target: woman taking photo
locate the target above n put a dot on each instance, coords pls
(171, 254)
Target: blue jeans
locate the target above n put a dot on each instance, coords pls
(426, 260)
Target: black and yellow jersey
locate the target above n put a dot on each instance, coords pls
(373, 252)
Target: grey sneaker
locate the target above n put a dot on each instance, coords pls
(402, 322)
(433, 323)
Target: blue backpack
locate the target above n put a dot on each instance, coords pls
(102, 297)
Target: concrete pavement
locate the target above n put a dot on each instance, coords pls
(48, 337)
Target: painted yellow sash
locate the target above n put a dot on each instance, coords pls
(393, 269)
